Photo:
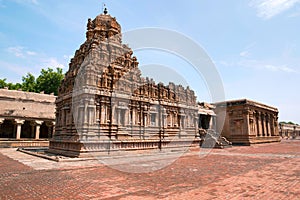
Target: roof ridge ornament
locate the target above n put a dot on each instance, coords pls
(105, 9)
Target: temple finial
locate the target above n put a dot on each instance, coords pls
(105, 9)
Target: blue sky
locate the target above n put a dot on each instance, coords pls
(254, 44)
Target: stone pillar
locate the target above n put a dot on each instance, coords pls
(247, 122)
(114, 114)
(145, 119)
(103, 113)
(127, 117)
(170, 119)
(271, 124)
(267, 122)
(85, 112)
(1, 121)
(175, 122)
(80, 120)
(91, 114)
(156, 119)
(50, 125)
(258, 129)
(97, 113)
(133, 122)
(118, 116)
(196, 125)
(164, 118)
(53, 130)
(37, 129)
(182, 121)
(276, 131)
(263, 124)
(19, 123)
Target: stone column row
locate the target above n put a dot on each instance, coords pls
(265, 124)
(20, 122)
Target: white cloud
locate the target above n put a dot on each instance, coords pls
(266, 66)
(9, 71)
(17, 51)
(279, 68)
(52, 63)
(20, 51)
(258, 65)
(31, 53)
(244, 54)
(247, 50)
(267, 9)
(68, 57)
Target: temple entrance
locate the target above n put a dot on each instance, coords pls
(27, 130)
(204, 121)
(44, 131)
(7, 129)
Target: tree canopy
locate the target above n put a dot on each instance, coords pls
(292, 123)
(48, 81)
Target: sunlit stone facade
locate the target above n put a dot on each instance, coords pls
(26, 118)
(105, 104)
(248, 122)
(289, 131)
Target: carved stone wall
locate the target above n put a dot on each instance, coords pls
(249, 122)
(289, 131)
(103, 97)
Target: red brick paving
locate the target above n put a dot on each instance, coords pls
(223, 174)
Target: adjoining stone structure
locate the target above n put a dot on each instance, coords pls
(26, 118)
(248, 122)
(289, 130)
(104, 104)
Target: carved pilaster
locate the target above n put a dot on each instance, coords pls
(37, 129)
(19, 123)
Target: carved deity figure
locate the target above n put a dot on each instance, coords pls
(89, 24)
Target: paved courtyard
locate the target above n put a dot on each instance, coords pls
(264, 171)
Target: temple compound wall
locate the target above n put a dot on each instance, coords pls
(287, 131)
(248, 122)
(26, 118)
(104, 103)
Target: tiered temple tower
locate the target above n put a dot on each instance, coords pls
(105, 104)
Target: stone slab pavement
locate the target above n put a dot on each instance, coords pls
(262, 171)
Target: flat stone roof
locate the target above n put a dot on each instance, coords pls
(245, 101)
(20, 104)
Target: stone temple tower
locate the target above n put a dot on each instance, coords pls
(104, 104)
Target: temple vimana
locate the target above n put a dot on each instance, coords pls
(105, 104)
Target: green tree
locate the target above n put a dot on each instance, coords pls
(12, 86)
(29, 83)
(3, 83)
(49, 80)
